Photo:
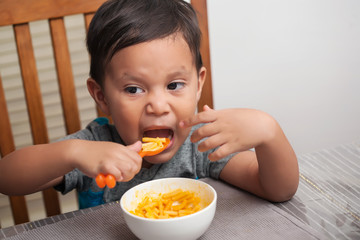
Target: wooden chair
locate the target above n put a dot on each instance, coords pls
(18, 14)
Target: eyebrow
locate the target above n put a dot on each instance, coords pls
(128, 76)
(179, 73)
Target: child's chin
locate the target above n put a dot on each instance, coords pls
(157, 159)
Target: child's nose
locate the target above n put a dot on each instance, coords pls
(158, 104)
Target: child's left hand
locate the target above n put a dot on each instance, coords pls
(232, 130)
(271, 171)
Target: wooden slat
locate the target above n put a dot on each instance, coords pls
(88, 17)
(19, 209)
(51, 202)
(18, 13)
(200, 7)
(17, 203)
(6, 140)
(65, 75)
(34, 103)
(31, 84)
(23, 11)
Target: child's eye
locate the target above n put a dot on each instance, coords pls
(175, 85)
(133, 90)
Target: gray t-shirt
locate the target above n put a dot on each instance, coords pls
(188, 162)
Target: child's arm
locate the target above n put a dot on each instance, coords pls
(270, 172)
(38, 167)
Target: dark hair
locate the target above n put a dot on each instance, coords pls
(122, 23)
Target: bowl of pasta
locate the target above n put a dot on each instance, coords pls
(169, 208)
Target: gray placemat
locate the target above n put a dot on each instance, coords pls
(328, 197)
(239, 215)
(101, 222)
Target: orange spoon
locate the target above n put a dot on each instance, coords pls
(150, 147)
(153, 146)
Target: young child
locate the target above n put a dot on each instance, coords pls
(146, 73)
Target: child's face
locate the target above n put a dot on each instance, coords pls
(149, 88)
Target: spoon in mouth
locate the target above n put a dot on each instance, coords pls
(153, 146)
(150, 147)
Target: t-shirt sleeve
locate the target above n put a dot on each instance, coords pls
(205, 167)
(97, 130)
(210, 168)
(74, 180)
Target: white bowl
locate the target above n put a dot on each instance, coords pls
(183, 228)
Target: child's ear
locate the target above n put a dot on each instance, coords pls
(201, 81)
(98, 95)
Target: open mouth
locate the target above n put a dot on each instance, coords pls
(161, 133)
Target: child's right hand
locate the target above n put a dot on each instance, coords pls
(123, 162)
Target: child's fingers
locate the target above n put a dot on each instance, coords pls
(202, 117)
(203, 132)
(117, 175)
(110, 169)
(211, 143)
(125, 164)
(221, 152)
(128, 171)
(123, 172)
(135, 146)
(206, 108)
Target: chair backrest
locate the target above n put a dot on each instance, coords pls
(200, 7)
(18, 14)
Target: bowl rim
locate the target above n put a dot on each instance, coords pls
(213, 202)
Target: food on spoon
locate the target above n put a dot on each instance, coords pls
(153, 146)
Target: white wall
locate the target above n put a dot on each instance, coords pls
(297, 60)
